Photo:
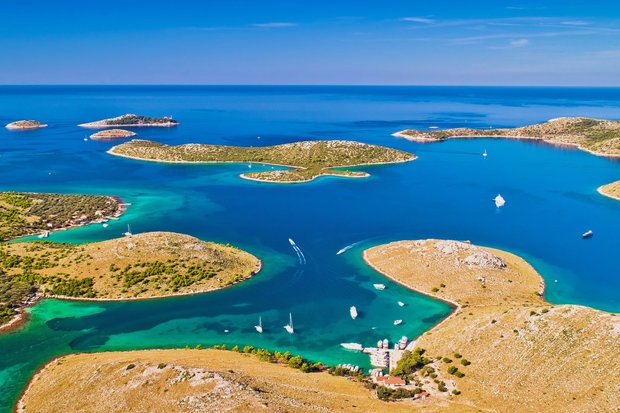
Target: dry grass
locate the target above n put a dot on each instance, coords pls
(611, 190)
(184, 259)
(193, 381)
(526, 355)
(601, 137)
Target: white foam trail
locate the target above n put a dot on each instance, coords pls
(300, 255)
(348, 247)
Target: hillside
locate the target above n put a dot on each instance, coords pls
(600, 137)
(611, 190)
(308, 159)
(526, 355)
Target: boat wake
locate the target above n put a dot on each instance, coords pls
(348, 247)
(300, 254)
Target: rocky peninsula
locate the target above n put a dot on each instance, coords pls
(112, 135)
(131, 119)
(25, 125)
(599, 137)
(149, 265)
(307, 160)
(28, 213)
(611, 190)
(511, 338)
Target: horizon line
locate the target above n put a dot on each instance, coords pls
(301, 85)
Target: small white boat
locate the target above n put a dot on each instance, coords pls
(353, 312)
(105, 225)
(259, 327)
(397, 322)
(485, 154)
(128, 233)
(85, 139)
(587, 234)
(433, 127)
(291, 242)
(250, 166)
(400, 303)
(44, 234)
(499, 201)
(352, 346)
(379, 286)
(289, 327)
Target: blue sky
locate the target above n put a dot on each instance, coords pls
(475, 42)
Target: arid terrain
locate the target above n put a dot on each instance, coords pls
(611, 190)
(307, 160)
(600, 137)
(526, 355)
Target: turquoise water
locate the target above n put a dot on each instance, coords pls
(446, 193)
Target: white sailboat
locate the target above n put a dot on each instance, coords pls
(485, 154)
(128, 233)
(259, 327)
(289, 327)
(397, 322)
(353, 312)
(379, 286)
(499, 201)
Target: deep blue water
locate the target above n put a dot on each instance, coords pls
(446, 193)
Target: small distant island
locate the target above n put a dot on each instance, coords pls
(611, 190)
(112, 134)
(149, 265)
(502, 334)
(599, 137)
(131, 120)
(28, 213)
(307, 159)
(25, 125)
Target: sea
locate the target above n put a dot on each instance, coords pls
(447, 193)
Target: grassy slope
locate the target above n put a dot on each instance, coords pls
(194, 381)
(310, 159)
(24, 214)
(526, 354)
(146, 265)
(611, 190)
(599, 136)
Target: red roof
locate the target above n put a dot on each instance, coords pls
(391, 380)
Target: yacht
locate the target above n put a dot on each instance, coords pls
(499, 201)
(397, 322)
(379, 286)
(128, 233)
(44, 234)
(400, 303)
(587, 234)
(485, 154)
(353, 312)
(289, 327)
(352, 346)
(259, 327)
(105, 225)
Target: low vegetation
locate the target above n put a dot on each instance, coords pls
(307, 160)
(132, 120)
(112, 134)
(601, 137)
(23, 213)
(25, 124)
(500, 320)
(141, 266)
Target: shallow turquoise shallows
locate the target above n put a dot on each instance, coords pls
(447, 193)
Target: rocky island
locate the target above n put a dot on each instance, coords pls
(502, 334)
(28, 213)
(599, 137)
(112, 135)
(307, 160)
(131, 120)
(156, 264)
(611, 190)
(25, 125)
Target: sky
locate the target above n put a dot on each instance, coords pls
(430, 42)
